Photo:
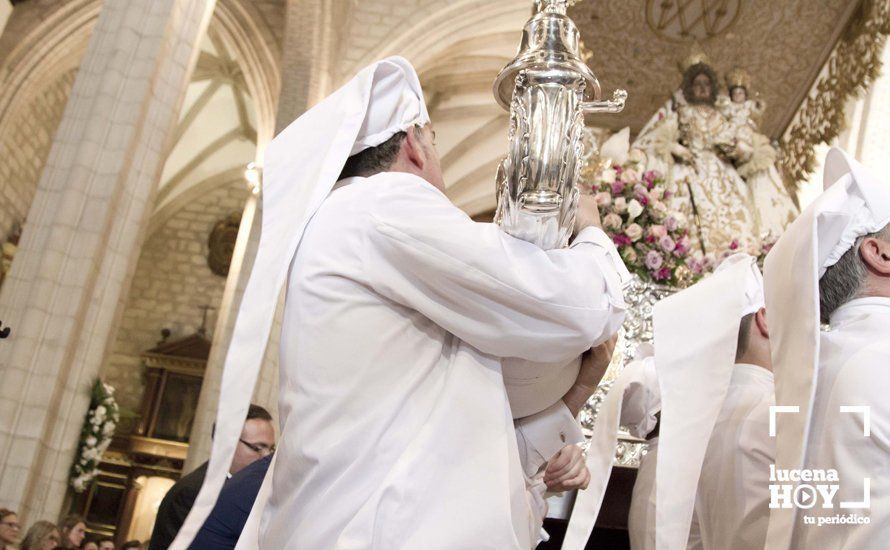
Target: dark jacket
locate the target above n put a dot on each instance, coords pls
(175, 507)
(226, 521)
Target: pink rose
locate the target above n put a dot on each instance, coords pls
(612, 221)
(662, 274)
(654, 260)
(667, 244)
(620, 205)
(634, 231)
(603, 199)
(617, 187)
(671, 223)
(658, 231)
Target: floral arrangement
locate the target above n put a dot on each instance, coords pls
(98, 429)
(653, 241)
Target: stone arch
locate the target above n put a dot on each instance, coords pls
(457, 51)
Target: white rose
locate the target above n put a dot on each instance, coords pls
(608, 175)
(634, 209)
(620, 205)
(91, 441)
(108, 429)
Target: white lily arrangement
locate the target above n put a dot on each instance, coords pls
(98, 428)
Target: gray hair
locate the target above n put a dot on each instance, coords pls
(845, 280)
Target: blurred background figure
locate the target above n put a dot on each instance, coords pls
(10, 530)
(73, 531)
(43, 535)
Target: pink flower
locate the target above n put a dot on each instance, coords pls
(617, 187)
(654, 260)
(662, 274)
(634, 232)
(621, 240)
(667, 244)
(612, 221)
(603, 199)
(682, 246)
(695, 265)
(658, 231)
(630, 176)
(734, 245)
(671, 223)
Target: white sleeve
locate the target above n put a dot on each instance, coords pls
(642, 400)
(504, 296)
(542, 435)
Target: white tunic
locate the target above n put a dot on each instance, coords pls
(732, 500)
(641, 402)
(396, 430)
(854, 370)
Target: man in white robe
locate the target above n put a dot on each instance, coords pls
(849, 362)
(709, 379)
(732, 499)
(401, 316)
(639, 413)
(713, 358)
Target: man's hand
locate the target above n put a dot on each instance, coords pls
(594, 363)
(588, 214)
(566, 470)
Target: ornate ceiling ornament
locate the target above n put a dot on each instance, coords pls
(221, 244)
(686, 20)
(852, 66)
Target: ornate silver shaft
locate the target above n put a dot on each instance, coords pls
(547, 89)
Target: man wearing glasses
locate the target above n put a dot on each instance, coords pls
(257, 441)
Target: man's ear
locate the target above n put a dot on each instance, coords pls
(875, 252)
(414, 148)
(760, 321)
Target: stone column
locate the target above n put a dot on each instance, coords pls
(309, 46)
(70, 277)
(5, 12)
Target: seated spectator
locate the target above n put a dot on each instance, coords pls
(74, 529)
(43, 535)
(226, 521)
(257, 440)
(10, 530)
(106, 543)
(90, 545)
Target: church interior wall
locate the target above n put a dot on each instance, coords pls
(25, 147)
(171, 283)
